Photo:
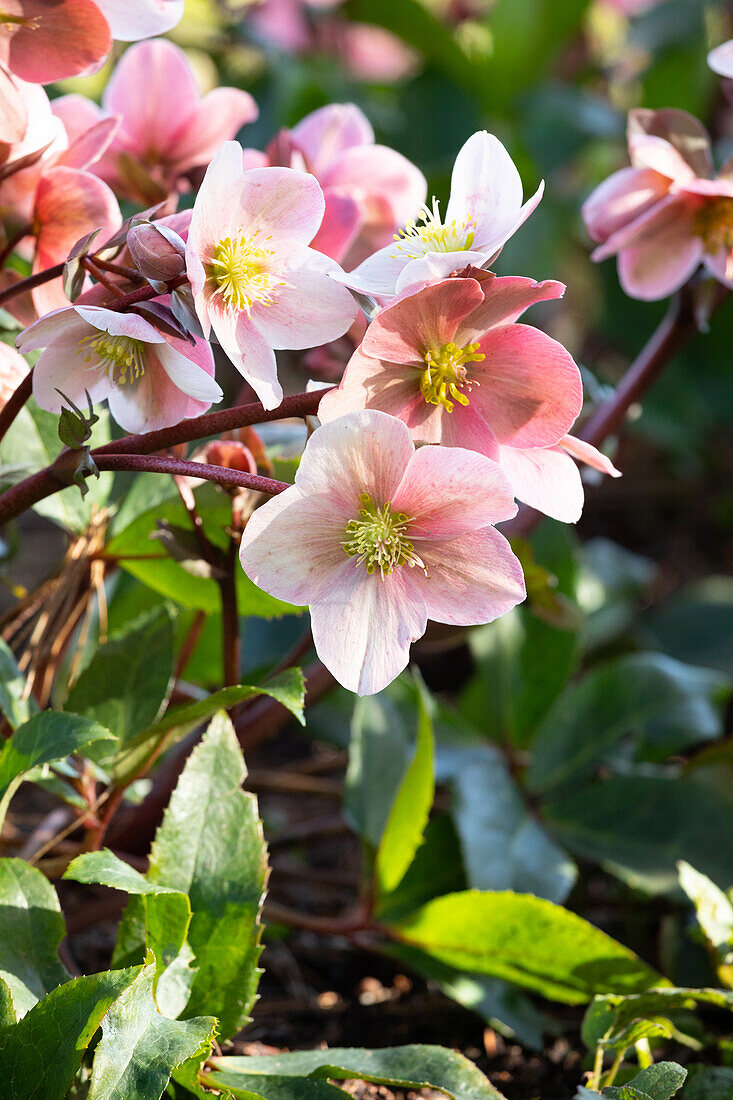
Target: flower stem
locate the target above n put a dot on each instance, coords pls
(181, 467)
(31, 283)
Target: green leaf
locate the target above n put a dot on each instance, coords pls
(43, 739)
(157, 920)
(708, 1083)
(612, 1012)
(664, 705)
(436, 869)
(634, 1032)
(288, 688)
(127, 679)
(39, 1057)
(273, 1087)
(406, 1067)
(403, 832)
(639, 826)
(714, 915)
(8, 1015)
(210, 846)
(140, 1047)
(31, 929)
(12, 687)
(660, 1082)
(528, 941)
(165, 575)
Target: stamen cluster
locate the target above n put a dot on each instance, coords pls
(122, 356)
(378, 538)
(434, 235)
(238, 269)
(713, 223)
(445, 374)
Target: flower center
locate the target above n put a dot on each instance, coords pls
(445, 374)
(238, 267)
(123, 357)
(714, 225)
(32, 22)
(378, 538)
(433, 235)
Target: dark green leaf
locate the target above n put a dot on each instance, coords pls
(708, 1083)
(241, 1086)
(12, 686)
(39, 1057)
(528, 941)
(140, 1048)
(379, 755)
(31, 929)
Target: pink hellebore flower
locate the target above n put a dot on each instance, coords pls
(254, 279)
(453, 364)
(167, 127)
(378, 537)
(484, 210)
(370, 190)
(664, 215)
(149, 380)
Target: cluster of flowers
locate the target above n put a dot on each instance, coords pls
(449, 410)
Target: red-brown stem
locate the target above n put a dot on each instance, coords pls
(163, 465)
(15, 403)
(30, 283)
(230, 615)
(129, 273)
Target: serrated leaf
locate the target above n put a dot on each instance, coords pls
(659, 1082)
(525, 940)
(407, 1067)
(140, 1047)
(127, 679)
(43, 739)
(12, 686)
(39, 1057)
(31, 929)
(210, 846)
(403, 832)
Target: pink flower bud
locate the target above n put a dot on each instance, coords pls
(159, 253)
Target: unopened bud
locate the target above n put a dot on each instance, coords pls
(159, 253)
(232, 455)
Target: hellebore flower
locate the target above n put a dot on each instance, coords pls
(453, 364)
(484, 210)
(377, 537)
(664, 215)
(255, 281)
(167, 127)
(370, 190)
(150, 380)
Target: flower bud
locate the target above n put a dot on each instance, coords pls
(231, 454)
(159, 253)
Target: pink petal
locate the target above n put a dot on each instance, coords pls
(379, 273)
(309, 310)
(154, 402)
(405, 331)
(187, 375)
(720, 60)
(282, 203)
(664, 256)
(61, 39)
(119, 324)
(434, 266)
(62, 366)
(721, 266)
(590, 455)
(216, 212)
(60, 322)
(673, 209)
(545, 478)
(472, 579)
(251, 354)
(504, 300)
(365, 452)
(131, 20)
(325, 134)
(90, 146)
(464, 427)
(13, 112)
(529, 389)
(364, 630)
(485, 186)
(13, 369)
(450, 492)
(219, 117)
(620, 199)
(370, 383)
(340, 226)
(376, 170)
(77, 113)
(648, 151)
(154, 89)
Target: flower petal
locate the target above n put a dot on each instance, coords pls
(405, 331)
(485, 187)
(340, 226)
(216, 212)
(311, 309)
(59, 40)
(472, 579)
(590, 455)
(376, 170)
(217, 118)
(620, 199)
(251, 354)
(504, 300)
(325, 134)
(57, 323)
(370, 383)
(120, 324)
(131, 20)
(720, 60)
(664, 255)
(545, 478)
(61, 367)
(188, 376)
(282, 203)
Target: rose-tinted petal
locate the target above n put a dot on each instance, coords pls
(325, 134)
(13, 113)
(504, 300)
(13, 369)
(370, 383)
(131, 20)
(376, 170)
(62, 366)
(624, 196)
(340, 226)
(421, 322)
(310, 309)
(188, 376)
(434, 266)
(366, 452)
(448, 492)
(378, 274)
(721, 266)
(216, 212)
(153, 402)
(217, 118)
(529, 389)
(251, 354)
(545, 478)
(472, 579)
(590, 455)
(90, 146)
(58, 40)
(664, 256)
(60, 322)
(282, 203)
(648, 151)
(77, 114)
(464, 427)
(120, 324)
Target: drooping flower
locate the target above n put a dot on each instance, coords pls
(167, 127)
(452, 362)
(149, 380)
(378, 537)
(370, 190)
(665, 215)
(255, 281)
(484, 210)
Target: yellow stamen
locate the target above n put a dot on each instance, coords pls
(378, 538)
(239, 270)
(433, 235)
(123, 357)
(445, 376)
(714, 225)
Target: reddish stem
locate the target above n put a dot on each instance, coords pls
(163, 465)
(31, 283)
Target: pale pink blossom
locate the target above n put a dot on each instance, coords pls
(255, 281)
(42, 140)
(149, 380)
(720, 60)
(167, 127)
(452, 362)
(665, 215)
(370, 190)
(547, 478)
(13, 369)
(131, 20)
(484, 210)
(13, 114)
(378, 537)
